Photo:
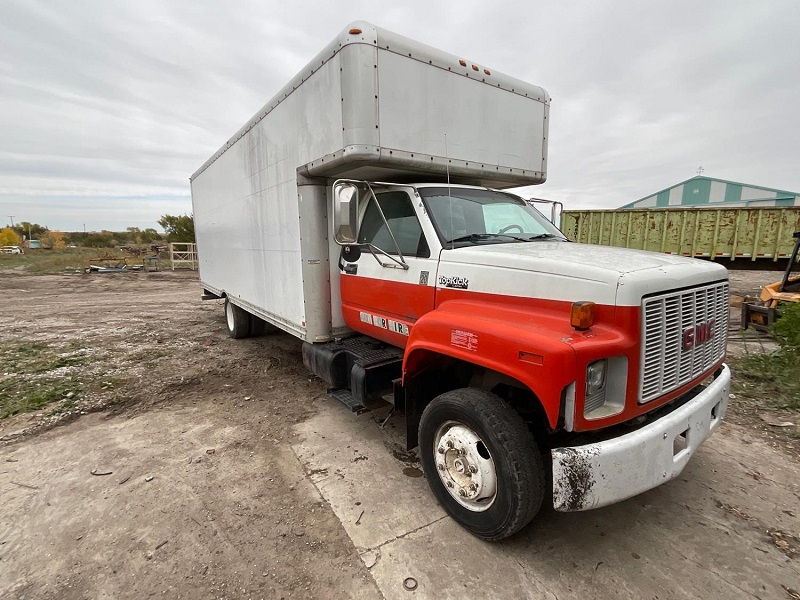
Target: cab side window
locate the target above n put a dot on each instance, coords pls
(403, 222)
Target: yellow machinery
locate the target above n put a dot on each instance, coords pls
(762, 316)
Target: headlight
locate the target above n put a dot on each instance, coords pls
(596, 376)
(605, 387)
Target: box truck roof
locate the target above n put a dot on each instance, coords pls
(394, 109)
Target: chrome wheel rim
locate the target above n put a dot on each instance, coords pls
(465, 466)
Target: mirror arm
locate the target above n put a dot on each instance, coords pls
(399, 265)
(402, 260)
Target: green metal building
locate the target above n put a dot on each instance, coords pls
(706, 191)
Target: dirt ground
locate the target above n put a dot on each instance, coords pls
(228, 513)
(196, 466)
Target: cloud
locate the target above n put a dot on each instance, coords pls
(107, 108)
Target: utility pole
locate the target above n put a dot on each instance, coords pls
(12, 219)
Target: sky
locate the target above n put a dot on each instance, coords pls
(107, 107)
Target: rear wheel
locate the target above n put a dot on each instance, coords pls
(256, 326)
(481, 462)
(238, 320)
(259, 326)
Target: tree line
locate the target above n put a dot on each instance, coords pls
(176, 228)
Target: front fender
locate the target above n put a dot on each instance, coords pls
(531, 347)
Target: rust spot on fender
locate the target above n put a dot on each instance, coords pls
(576, 481)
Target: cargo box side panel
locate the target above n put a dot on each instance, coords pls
(419, 103)
(246, 203)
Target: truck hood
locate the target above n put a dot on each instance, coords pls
(571, 271)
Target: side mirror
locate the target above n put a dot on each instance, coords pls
(345, 213)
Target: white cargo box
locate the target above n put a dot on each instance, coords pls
(372, 105)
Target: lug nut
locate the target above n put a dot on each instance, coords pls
(462, 493)
(449, 444)
(440, 450)
(441, 467)
(449, 484)
(473, 469)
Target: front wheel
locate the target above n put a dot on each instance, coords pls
(481, 462)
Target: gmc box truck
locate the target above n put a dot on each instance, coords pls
(362, 210)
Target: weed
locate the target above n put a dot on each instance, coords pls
(34, 357)
(76, 345)
(34, 374)
(110, 383)
(775, 374)
(787, 328)
(147, 356)
(18, 395)
(65, 405)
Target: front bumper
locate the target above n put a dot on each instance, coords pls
(602, 473)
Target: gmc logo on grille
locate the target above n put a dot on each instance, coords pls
(699, 334)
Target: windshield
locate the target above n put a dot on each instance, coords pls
(473, 216)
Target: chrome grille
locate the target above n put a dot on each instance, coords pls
(666, 364)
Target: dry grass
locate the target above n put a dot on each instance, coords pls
(41, 262)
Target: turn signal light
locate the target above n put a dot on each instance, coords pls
(582, 315)
(354, 31)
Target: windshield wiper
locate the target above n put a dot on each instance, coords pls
(543, 236)
(476, 237)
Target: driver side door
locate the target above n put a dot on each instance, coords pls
(383, 296)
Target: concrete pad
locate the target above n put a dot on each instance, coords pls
(704, 535)
(359, 468)
(169, 519)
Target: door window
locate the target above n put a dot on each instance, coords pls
(402, 221)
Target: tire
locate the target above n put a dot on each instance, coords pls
(256, 326)
(238, 321)
(505, 448)
(259, 327)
